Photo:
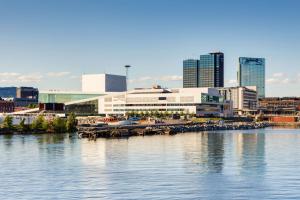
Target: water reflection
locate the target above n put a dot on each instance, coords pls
(251, 150)
(207, 165)
(205, 152)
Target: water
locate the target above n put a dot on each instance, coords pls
(250, 164)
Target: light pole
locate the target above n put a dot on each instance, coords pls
(127, 70)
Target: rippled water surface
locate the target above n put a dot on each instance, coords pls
(251, 164)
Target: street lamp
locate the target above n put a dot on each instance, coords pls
(127, 70)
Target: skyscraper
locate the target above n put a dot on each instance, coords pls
(206, 72)
(190, 73)
(251, 72)
(211, 70)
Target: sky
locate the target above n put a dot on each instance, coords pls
(49, 44)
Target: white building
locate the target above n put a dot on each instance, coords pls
(199, 101)
(244, 99)
(101, 83)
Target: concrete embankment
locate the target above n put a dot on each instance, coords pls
(93, 132)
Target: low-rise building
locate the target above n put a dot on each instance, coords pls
(244, 99)
(197, 101)
(22, 96)
(6, 106)
(279, 105)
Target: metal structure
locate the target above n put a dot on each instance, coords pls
(127, 71)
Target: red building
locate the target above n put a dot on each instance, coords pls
(6, 106)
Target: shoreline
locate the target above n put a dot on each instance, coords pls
(94, 132)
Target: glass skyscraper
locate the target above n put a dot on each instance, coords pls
(190, 73)
(211, 70)
(252, 73)
(206, 72)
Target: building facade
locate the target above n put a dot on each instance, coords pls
(211, 70)
(21, 96)
(198, 101)
(65, 96)
(280, 106)
(6, 106)
(190, 73)
(101, 83)
(206, 72)
(251, 72)
(244, 99)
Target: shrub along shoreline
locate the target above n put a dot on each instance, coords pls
(40, 125)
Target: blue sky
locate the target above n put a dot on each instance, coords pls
(50, 43)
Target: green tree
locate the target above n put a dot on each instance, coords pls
(8, 122)
(59, 125)
(39, 123)
(22, 126)
(71, 123)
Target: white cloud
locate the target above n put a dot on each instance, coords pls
(14, 78)
(170, 78)
(35, 78)
(281, 78)
(154, 79)
(278, 75)
(74, 77)
(58, 74)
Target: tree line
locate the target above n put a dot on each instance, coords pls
(40, 124)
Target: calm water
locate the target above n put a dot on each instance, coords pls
(255, 164)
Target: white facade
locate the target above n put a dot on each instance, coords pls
(199, 101)
(244, 99)
(101, 83)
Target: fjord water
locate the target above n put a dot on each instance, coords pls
(248, 164)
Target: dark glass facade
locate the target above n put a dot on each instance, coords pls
(252, 73)
(190, 73)
(206, 72)
(211, 70)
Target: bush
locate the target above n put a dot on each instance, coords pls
(40, 124)
(59, 125)
(71, 123)
(22, 126)
(8, 122)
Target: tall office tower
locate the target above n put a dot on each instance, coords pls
(211, 70)
(190, 73)
(251, 72)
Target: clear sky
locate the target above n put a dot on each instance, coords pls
(50, 43)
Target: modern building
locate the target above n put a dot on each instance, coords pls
(206, 72)
(279, 106)
(211, 70)
(190, 73)
(101, 83)
(244, 99)
(251, 72)
(21, 96)
(198, 101)
(55, 96)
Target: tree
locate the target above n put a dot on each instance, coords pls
(22, 126)
(71, 123)
(39, 123)
(8, 122)
(59, 125)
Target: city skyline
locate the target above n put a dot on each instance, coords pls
(50, 45)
